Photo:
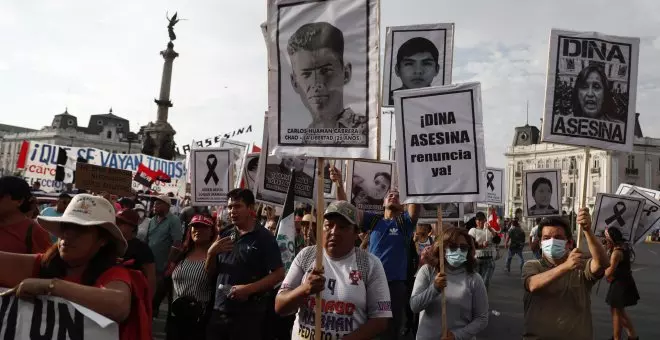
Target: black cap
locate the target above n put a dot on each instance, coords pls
(16, 188)
(480, 216)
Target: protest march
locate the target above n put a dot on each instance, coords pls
(319, 219)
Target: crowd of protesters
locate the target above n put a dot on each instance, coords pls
(219, 274)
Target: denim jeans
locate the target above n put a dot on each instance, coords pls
(486, 268)
(512, 253)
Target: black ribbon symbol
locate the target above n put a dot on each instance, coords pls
(489, 178)
(211, 163)
(650, 210)
(619, 208)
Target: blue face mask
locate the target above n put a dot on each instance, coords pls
(456, 258)
(554, 248)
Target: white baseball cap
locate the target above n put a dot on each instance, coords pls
(87, 210)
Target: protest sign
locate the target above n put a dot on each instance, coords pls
(440, 144)
(251, 170)
(417, 56)
(541, 192)
(99, 179)
(494, 186)
(650, 218)
(53, 318)
(323, 77)
(451, 212)
(211, 141)
(41, 162)
(241, 151)
(212, 170)
(274, 176)
(626, 189)
(367, 184)
(618, 211)
(591, 90)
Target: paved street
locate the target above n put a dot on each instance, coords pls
(506, 295)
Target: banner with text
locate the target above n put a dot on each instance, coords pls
(441, 147)
(49, 318)
(41, 163)
(591, 90)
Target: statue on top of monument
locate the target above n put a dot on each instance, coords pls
(170, 27)
(166, 150)
(148, 145)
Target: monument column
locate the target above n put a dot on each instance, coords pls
(163, 100)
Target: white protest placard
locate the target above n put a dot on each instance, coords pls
(451, 212)
(495, 186)
(417, 56)
(541, 192)
(650, 218)
(626, 189)
(367, 184)
(324, 77)
(251, 171)
(238, 157)
(440, 144)
(275, 174)
(591, 90)
(52, 318)
(212, 170)
(618, 211)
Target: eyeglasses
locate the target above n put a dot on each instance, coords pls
(462, 247)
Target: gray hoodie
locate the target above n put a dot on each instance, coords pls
(467, 304)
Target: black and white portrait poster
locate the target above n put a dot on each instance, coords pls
(650, 218)
(626, 189)
(542, 189)
(494, 186)
(591, 90)
(275, 175)
(251, 171)
(618, 211)
(212, 170)
(417, 56)
(367, 184)
(241, 151)
(323, 79)
(451, 212)
(440, 144)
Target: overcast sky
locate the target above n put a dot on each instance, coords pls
(91, 55)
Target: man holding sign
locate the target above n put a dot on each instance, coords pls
(558, 286)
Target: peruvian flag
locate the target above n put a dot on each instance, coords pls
(493, 220)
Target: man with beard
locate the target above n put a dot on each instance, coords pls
(390, 237)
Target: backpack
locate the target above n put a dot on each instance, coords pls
(517, 237)
(308, 259)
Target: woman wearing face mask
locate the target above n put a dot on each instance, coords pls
(465, 292)
(623, 290)
(193, 287)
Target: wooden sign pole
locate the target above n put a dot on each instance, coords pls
(583, 195)
(320, 205)
(439, 236)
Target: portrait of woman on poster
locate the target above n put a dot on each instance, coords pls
(593, 97)
(542, 195)
(371, 193)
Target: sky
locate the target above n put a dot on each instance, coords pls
(93, 55)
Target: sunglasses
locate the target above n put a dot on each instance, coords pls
(462, 247)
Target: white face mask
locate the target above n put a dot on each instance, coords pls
(553, 248)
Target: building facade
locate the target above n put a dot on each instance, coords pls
(107, 131)
(605, 170)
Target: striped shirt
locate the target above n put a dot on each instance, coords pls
(191, 280)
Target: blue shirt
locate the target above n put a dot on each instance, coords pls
(255, 255)
(390, 243)
(160, 238)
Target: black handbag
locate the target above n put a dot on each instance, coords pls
(187, 309)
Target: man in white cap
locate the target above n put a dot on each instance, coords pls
(164, 232)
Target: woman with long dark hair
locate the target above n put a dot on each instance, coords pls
(623, 290)
(193, 286)
(592, 95)
(82, 266)
(465, 291)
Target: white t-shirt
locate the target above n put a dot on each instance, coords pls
(534, 232)
(347, 304)
(481, 236)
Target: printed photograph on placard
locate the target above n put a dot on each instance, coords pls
(241, 150)
(324, 79)
(428, 213)
(368, 184)
(417, 56)
(626, 189)
(440, 144)
(650, 215)
(542, 189)
(591, 90)
(622, 212)
(251, 170)
(469, 208)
